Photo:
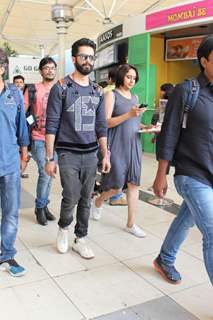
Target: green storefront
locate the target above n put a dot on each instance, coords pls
(139, 55)
(135, 50)
(144, 40)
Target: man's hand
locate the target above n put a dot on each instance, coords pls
(50, 168)
(24, 159)
(160, 186)
(106, 166)
(23, 165)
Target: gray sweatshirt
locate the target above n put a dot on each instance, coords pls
(78, 119)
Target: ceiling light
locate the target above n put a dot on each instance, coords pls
(62, 13)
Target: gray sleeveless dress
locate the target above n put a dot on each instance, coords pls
(125, 146)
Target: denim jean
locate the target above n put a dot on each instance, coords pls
(116, 196)
(197, 208)
(77, 173)
(10, 202)
(44, 181)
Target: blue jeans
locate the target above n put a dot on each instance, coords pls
(197, 208)
(116, 196)
(44, 181)
(10, 202)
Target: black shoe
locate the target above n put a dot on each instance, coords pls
(49, 215)
(24, 175)
(169, 273)
(41, 216)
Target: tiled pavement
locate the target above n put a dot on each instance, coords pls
(163, 308)
(120, 283)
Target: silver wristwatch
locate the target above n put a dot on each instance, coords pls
(48, 159)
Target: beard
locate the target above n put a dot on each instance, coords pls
(49, 78)
(84, 69)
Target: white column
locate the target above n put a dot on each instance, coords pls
(61, 31)
(42, 53)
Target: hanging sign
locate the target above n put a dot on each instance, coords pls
(110, 35)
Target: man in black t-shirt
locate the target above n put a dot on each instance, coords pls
(190, 144)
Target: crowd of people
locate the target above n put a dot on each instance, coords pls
(74, 124)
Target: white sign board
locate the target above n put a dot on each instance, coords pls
(25, 66)
(105, 57)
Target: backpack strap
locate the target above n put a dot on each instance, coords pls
(64, 87)
(25, 88)
(68, 84)
(96, 87)
(192, 89)
(31, 93)
(31, 88)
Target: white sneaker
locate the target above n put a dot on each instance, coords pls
(79, 246)
(62, 241)
(136, 231)
(96, 213)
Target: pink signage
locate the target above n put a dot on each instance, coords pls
(188, 12)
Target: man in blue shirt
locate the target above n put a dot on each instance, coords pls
(13, 155)
(187, 138)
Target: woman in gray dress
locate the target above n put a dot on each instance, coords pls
(123, 118)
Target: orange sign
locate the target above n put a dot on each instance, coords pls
(194, 13)
(182, 48)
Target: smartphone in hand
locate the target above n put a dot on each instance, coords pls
(142, 105)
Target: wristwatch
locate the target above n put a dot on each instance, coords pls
(48, 159)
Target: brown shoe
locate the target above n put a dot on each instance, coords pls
(120, 202)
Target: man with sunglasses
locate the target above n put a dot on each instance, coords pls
(47, 69)
(75, 114)
(13, 155)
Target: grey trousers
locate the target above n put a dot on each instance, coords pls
(77, 173)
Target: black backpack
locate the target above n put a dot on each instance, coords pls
(31, 100)
(30, 117)
(191, 91)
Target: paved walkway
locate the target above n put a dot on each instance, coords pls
(120, 283)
